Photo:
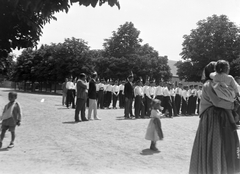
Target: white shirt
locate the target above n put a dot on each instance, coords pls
(70, 85)
(138, 90)
(159, 91)
(172, 92)
(109, 88)
(116, 89)
(121, 87)
(184, 94)
(101, 86)
(199, 93)
(166, 92)
(178, 91)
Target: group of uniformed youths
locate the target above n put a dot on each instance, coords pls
(175, 100)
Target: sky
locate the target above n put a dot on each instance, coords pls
(162, 23)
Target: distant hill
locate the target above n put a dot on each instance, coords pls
(173, 67)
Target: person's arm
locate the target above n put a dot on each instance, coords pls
(216, 101)
(234, 85)
(81, 84)
(19, 116)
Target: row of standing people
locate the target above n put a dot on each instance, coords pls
(175, 99)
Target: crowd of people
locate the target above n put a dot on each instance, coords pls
(176, 99)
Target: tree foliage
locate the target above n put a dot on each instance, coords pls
(23, 20)
(214, 38)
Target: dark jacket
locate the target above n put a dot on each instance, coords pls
(92, 94)
(128, 90)
(81, 90)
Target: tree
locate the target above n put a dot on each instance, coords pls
(23, 20)
(213, 39)
(123, 42)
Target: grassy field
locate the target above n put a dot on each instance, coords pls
(49, 141)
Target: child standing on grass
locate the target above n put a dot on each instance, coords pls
(154, 130)
(10, 118)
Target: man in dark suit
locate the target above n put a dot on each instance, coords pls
(129, 94)
(81, 98)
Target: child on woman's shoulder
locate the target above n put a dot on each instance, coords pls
(154, 129)
(10, 118)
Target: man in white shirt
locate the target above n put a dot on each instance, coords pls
(159, 92)
(109, 89)
(199, 95)
(139, 95)
(70, 93)
(150, 92)
(101, 88)
(121, 95)
(178, 97)
(115, 93)
(184, 100)
(167, 100)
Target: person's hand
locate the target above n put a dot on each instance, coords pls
(18, 123)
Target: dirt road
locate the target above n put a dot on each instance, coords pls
(49, 141)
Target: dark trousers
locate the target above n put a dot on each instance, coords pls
(194, 105)
(128, 107)
(121, 99)
(139, 107)
(190, 105)
(115, 98)
(177, 103)
(109, 98)
(148, 106)
(173, 105)
(184, 107)
(70, 98)
(159, 97)
(80, 107)
(198, 105)
(100, 99)
(168, 105)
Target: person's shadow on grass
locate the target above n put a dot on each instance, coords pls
(148, 152)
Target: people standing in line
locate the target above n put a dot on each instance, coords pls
(139, 96)
(216, 145)
(184, 101)
(154, 130)
(173, 94)
(11, 117)
(81, 87)
(92, 96)
(178, 97)
(70, 93)
(167, 101)
(129, 94)
(121, 95)
(64, 92)
(115, 93)
(100, 102)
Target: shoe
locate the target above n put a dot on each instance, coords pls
(97, 118)
(84, 119)
(90, 119)
(11, 145)
(77, 121)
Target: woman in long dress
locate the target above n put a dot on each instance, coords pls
(216, 145)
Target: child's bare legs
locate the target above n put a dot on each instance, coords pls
(13, 135)
(153, 146)
(2, 136)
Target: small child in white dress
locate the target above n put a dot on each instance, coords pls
(154, 129)
(225, 85)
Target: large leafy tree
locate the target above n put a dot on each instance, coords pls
(214, 38)
(123, 42)
(23, 20)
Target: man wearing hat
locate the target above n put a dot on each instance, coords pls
(92, 95)
(81, 98)
(167, 99)
(121, 95)
(184, 100)
(129, 94)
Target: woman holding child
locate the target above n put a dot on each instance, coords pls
(216, 145)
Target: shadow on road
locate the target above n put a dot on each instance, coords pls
(4, 149)
(69, 122)
(148, 152)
